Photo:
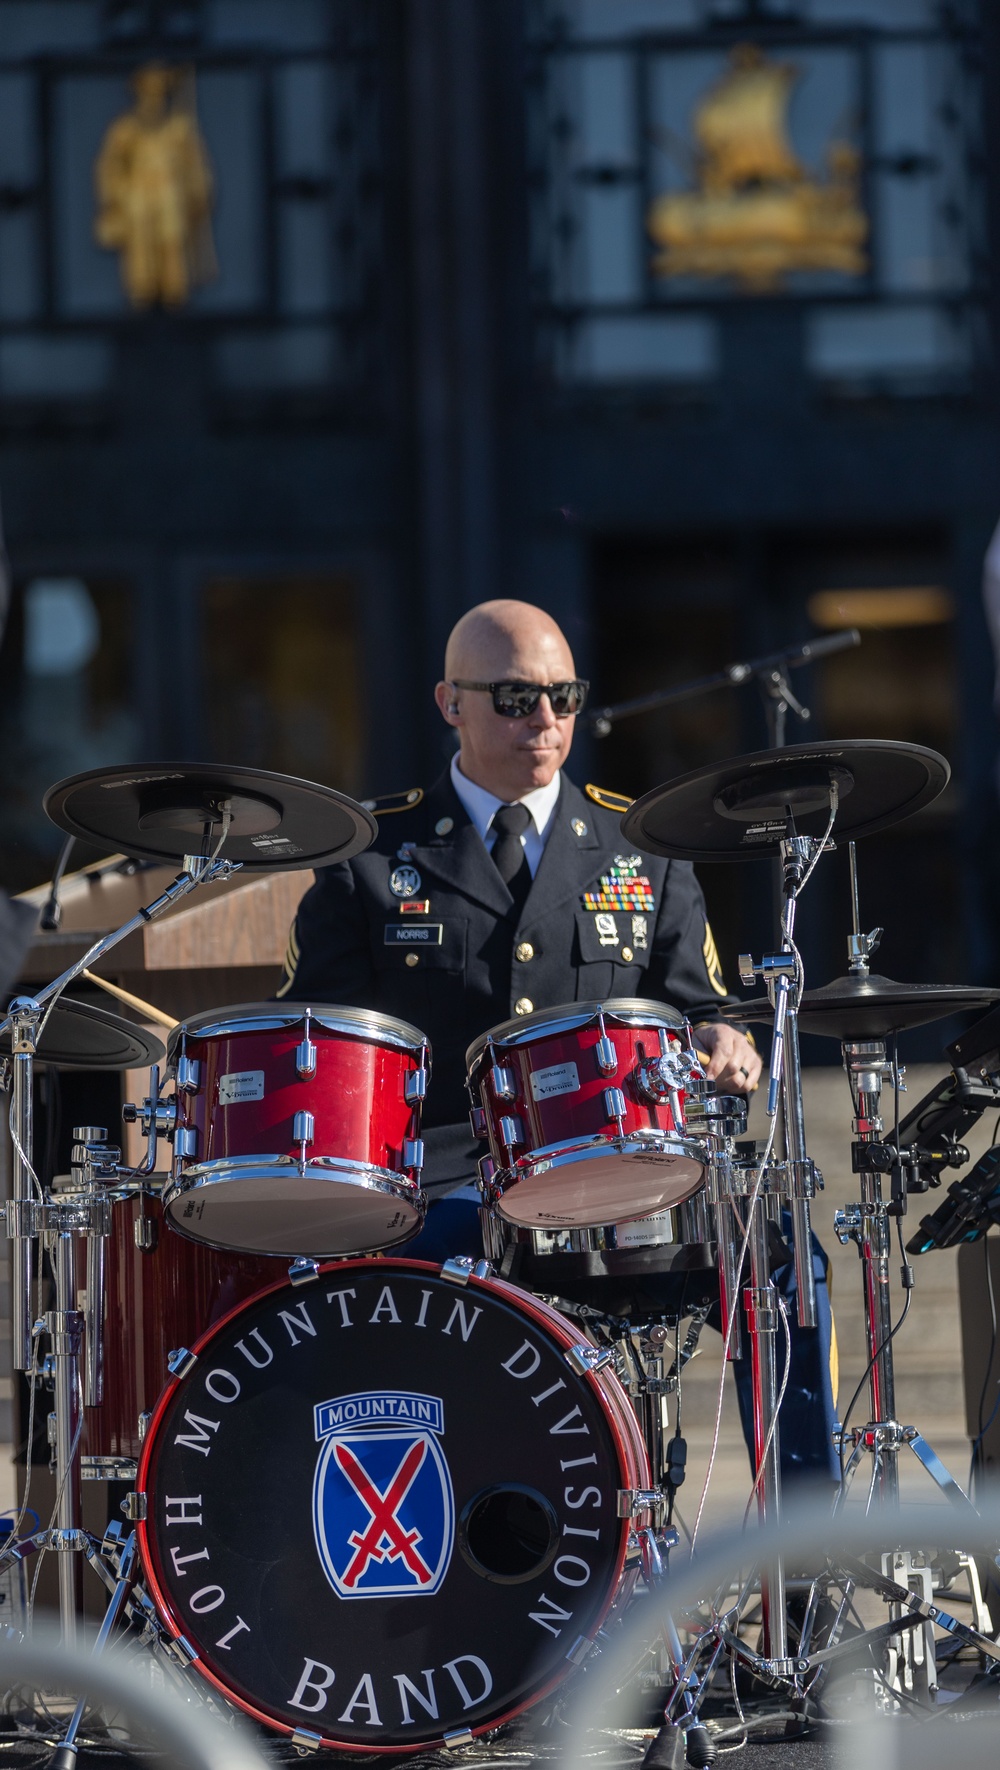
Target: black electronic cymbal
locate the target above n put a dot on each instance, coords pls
(77, 1035)
(162, 811)
(738, 810)
(856, 1007)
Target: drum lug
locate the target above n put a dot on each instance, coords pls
(143, 1424)
(185, 1141)
(580, 1649)
(633, 1500)
(305, 1059)
(413, 1152)
(181, 1361)
(303, 1270)
(607, 1056)
(188, 1075)
(180, 1648)
(461, 1267)
(303, 1127)
(511, 1132)
(614, 1106)
(134, 1507)
(460, 1736)
(415, 1086)
(304, 1741)
(585, 1358)
(502, 1079)
(478, 1122)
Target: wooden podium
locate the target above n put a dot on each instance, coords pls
(223, 944)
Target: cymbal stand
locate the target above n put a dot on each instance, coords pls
(867, 1224)
(31, 1216)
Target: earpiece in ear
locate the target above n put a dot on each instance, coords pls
(453, 708)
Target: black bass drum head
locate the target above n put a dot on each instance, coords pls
(382, 1505)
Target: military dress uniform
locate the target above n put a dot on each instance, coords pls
(422, 927)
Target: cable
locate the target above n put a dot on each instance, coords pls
(773, 1426)
(751, 1202)
(890, 1336)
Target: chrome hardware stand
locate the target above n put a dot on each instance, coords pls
(30, 1215)
(867, 1224)
(780, 973)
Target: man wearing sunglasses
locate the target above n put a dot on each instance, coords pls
(473, 904)
(488, 896)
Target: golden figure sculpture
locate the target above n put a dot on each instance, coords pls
(756, 214)
(154, 191)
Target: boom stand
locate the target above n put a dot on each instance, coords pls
(780, 974)
(30, 1215)
(867, 1224)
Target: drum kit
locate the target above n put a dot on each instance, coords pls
(306, 1418)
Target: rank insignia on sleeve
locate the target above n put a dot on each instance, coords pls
(713, 964)
(622, 887)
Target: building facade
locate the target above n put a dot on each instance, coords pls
(322, 319)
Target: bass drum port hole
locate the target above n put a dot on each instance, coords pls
(508, 1533)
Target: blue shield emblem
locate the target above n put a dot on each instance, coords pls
(383, 1506)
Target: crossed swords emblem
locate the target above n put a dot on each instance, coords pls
(384, 1537)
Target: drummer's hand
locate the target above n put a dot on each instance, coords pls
(734, 1064)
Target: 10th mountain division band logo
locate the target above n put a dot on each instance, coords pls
(383, 1506)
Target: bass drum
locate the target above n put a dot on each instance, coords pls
(382, 1508)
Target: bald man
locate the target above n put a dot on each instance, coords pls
(502, 889)
(428, 926)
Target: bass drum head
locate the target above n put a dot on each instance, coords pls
(382, 1507)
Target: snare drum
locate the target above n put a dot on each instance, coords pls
(161, 1292)
(385, 1510)
(298, 1129)
(584, 1110)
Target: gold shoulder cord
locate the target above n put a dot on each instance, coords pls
(610, 801)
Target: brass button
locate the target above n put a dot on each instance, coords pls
(626, 955)
(524, 1005)
(524, 951)
(413, 958)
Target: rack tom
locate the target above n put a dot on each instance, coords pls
(583, 1107)
(297, 1130)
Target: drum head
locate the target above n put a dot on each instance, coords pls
(332, 1209)
(522, 1029)
(382, 1508)
(599, 1180)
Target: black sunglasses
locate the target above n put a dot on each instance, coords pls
(515, 700)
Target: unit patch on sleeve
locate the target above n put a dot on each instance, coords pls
(622, 887)
(712, 963)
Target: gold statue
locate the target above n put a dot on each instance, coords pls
(756, 214)
(154, 191)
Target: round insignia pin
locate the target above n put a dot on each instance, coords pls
(404, 882)
(444, 826)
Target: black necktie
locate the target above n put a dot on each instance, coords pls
(509, 857)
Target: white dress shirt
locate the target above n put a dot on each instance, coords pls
(481, 806)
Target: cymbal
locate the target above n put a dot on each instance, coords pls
(856, 1007)
(77, 1035)
(159, 811)
(738, 810)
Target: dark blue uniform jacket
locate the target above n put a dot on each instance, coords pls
(479, 963)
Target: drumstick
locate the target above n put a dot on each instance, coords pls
(146, 1009)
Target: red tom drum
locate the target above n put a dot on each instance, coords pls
(298, 1129)
(583, 1107)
